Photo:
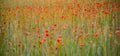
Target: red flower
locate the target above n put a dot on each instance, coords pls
(118, 33)
(98, 5)
(92, 25)
(65, 26)
(96, 34)
(0, 26)
(39, 36)
(42, 18)
(46, 34)
(80, 36)
(19, 44)
(106, 12)
(53, 29)
(40, 42)
(28, 33)
(78, 5)
(62, 17)
(59, 40)
(55, 25)
(62, 44)
(87, 35)
(102, 32)
(36, 21)
(56, 47)
(113, 4)
(44, 40)
(38, 32)
(82, 44)
(81, 31)
(46, 31)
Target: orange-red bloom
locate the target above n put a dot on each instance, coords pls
(0, 26)
(92, 25)
(118, 33)
(19, 44)
(96, 34)
(56, 47)
(82, 44)
(80, 36)
(55, 25)
(59, 40)
(44, 40)
(46, 31)
(87, 35)
(46, 34)
(40, 42)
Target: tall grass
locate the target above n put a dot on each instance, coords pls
(59, 28)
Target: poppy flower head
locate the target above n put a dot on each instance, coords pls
(46, 31)
(47, 34)
(80, 36)
(118, 33)
(56, 47)
(87, 35)
(93, 25)
(96, 34)
(0, 26)
(82, 44)
(59, 40)
(44, 39)
(55, 25)
(19, 44)
(65, 27)
(40, 42)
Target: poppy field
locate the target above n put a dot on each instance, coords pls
(59, 28)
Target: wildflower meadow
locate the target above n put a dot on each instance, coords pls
(59, 27)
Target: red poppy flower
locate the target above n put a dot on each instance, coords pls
(65, 26)
(81, 31)
(40, 42)
(78, 5)
(36, 21)
(46, 34)
(113, 4)
(59, 40)
(98, 5)
(19, 44)
(96, 34)
(42, 18)
(0, 26)
(38, 32)
(56, 47)
(92, 25)
(87, 35)
(55, 25)
(106, 12)
(118, 33)
(44, 40)
(39, 36)
(62, 17)
(80, 36)
(62, 44)
(53, 29)
(82, 44)
(46, 31)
